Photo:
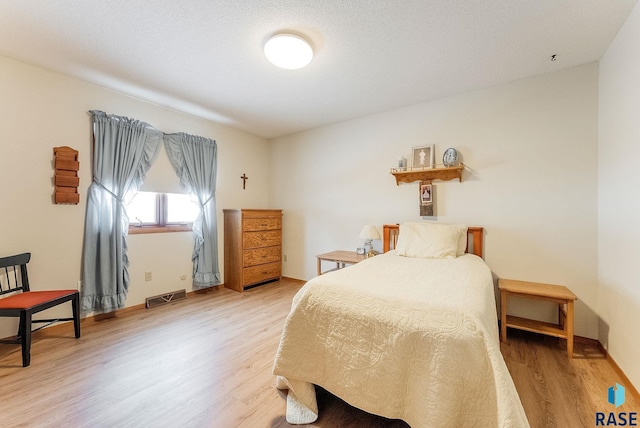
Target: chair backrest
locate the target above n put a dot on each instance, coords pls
(13, 273)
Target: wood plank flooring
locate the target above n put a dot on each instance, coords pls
(557, 391)
(206, 362)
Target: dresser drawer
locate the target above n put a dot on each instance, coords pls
(261, 239)
(261, 213)
(256, 274)
(267, 223)
(260, 256)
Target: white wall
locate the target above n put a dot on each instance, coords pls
(619, 205)
(531, 153)
(40, 110)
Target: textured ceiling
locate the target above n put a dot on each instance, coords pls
(204, 57)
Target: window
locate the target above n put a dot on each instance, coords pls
(161, 212)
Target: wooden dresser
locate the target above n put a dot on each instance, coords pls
(252, 247)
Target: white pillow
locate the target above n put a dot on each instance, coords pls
(462, 239)
(432, 240)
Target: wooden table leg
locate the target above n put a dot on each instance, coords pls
(569, 328)
(319, 266)
(503, 315)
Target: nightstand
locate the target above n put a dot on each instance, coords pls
(341, 259)
(532, 290)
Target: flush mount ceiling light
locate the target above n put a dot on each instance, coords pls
(288, 51)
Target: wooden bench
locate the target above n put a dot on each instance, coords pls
(548, 292)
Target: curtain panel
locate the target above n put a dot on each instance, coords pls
(195, 160)
(124, 149)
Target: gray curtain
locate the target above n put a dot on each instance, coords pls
(194, 160)
(123, 152)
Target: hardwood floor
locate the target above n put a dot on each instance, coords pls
(206, 362)
(557, 391)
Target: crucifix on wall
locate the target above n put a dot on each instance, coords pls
(244, 180)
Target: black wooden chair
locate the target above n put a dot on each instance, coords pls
(24, 303)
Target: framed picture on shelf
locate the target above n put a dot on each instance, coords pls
(423, 157)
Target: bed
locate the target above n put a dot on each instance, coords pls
(410, 334)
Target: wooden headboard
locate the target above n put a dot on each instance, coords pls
(475, 236)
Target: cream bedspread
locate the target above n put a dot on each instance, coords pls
(405, 338)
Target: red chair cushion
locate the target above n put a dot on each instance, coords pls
(32, 298)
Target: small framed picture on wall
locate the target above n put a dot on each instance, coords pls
(423, 157)
(426, 195)
(426, 199)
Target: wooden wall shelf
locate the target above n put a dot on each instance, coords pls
(437, 173)
(66, 178)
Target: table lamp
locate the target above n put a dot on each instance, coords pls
(369, 233)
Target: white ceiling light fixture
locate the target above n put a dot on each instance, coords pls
(288, 51)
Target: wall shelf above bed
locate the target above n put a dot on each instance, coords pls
(438, 173)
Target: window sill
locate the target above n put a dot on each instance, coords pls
(159, 229)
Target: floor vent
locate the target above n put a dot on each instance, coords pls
(163, 299)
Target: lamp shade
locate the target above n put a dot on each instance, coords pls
(369, 232)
